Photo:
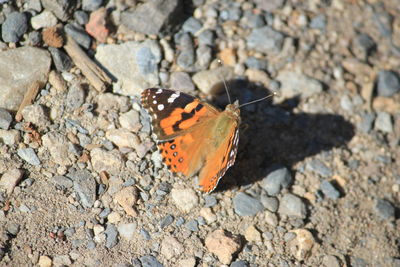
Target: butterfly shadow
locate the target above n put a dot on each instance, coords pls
(274, 135)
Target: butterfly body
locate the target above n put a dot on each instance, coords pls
(194, 137)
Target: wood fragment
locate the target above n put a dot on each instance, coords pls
(29, 96)
(98, 78)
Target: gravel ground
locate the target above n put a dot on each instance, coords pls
(316, 181)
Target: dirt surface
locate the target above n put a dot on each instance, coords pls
(101, 196)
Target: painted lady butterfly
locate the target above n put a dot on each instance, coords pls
(194, 137)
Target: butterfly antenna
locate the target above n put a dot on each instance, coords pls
(274, 93)
(226, 87)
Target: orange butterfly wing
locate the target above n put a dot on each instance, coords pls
(184, 126)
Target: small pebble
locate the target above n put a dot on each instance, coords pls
(265, 40)
(383, 122)
(29, 155)
(245, 205)
(239, 263)
(276, 180)
(111, 236)
(192, 225)
(292, 205)
(79, 35)
(14, 27)
(150, 261)
(329, 190)
(191, 25)
(5, 119)
(167, 220)
(385, 209)
(319, 167)
(318, 22)
(388, 83)
(145, 234)
(367, 121)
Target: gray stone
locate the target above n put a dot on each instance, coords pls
(276, 181)
(383, 122)
(167, 220)
(34, 38)
(269, 5)
(61, 60)
(154, 16)
(318, 22)
(15, 25)
(270, 203)
(367, 121)
(192, 225)
(43, 20)
(13, 228)
(181, 81)
(252, 20)
(5, 119)
(63, 9)
(245, 205)
(75, 97)
(85, 187)
(186, 56)
(292, 205)
(265, 40)
(138, 67)
(81, 17)
(358, 262)
(29, 155)
(19, 69)
(91, 5)
(365, 45)
(145, 234)
(232, 13)
(346, 103)
(329, 190)
(105, 213)
(295, 84)
(210, 201)
(383, 21)
(35, 5)
(63, 181)
(79, 35)
(192, 25)
(150, 261)
(203, 57)
(239, 263)
(206, 37)
(319, 167)
(384, 209)
(111, 236)
(256, 63)
(388, 83)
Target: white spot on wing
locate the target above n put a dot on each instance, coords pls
(154, 102)
(173, 97)
(160, 107)
(159, 91)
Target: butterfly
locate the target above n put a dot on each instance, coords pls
(193, 136)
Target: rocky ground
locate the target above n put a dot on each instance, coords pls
(317, 177)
